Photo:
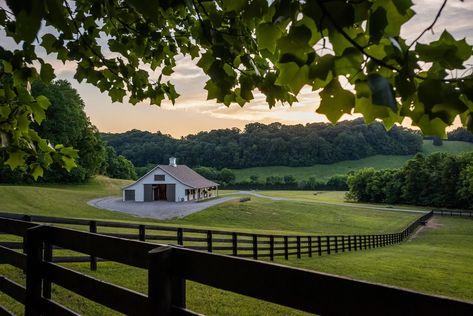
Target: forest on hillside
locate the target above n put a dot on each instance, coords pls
(440, 180)
(274, 144)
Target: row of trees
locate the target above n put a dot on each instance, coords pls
(440, 180)
(227, 179)
(268, 145)
(66, 123)
(289, 182)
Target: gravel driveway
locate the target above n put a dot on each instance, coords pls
(155, 209)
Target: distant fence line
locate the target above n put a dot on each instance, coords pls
(453, 213)
(169, 267)
(238, 244)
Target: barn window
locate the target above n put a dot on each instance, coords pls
(159, 177)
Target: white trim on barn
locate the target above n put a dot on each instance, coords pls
(175, 183)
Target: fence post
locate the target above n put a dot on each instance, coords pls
(354, 244)
(364, 241)
(164, 289)
(298, 239)
(343, 243)
(255, 247)
(286, 248)
(26, 218)
(309, 241)
(48, 256)
(349, 243)
(142, 232)
(34, 251)
(336, 244)
(328, 244)
(271, 248)
(180, 236)
(93, 259)
(319, 245)
(209, 241)
(234, 244)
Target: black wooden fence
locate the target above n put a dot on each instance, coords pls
(169, 267)
(459, 213)
(255, 246)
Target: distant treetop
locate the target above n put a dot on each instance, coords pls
(349, 52)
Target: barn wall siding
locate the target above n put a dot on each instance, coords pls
(149, 179)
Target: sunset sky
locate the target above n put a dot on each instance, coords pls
(192, 113)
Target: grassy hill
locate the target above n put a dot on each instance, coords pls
(437, 261)
(323, 172)
(258, 215)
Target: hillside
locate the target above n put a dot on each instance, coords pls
(325, 171)
(261, 145)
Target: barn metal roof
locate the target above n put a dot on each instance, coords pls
(183, 174)
(188, 176)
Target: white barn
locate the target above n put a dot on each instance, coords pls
(175, 183)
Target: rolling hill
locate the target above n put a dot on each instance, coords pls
(325, 171)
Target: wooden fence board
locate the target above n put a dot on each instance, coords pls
(115, 297)
(309, 291)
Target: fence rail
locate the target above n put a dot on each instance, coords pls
(240, 244)
(459, 213)
(170, 266)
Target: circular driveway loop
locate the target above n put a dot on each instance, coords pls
(155, 209)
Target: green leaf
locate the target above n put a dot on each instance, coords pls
(381, 91)
(446, 51)
(320, 70)
(167, 71)
(266, 36)
(206, 61)
(28, 14)
(377, 23)
(47, 73)
(7, 67)
(16, 159)
(38, 112)
(68, 163)
(435, 127)
(234, 5)
(292, 76)
(43, 102)
(335, 101)
(37, 171)
(117, 94)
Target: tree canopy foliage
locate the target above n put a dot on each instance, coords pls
(441, 180)
(350, 52)
(66, 123)
(261, 145)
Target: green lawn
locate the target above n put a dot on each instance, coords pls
(453, 147)
(325, 171)
(438, 260)
(62, 200)
(322, 171)
(297, 217)
(258, 215)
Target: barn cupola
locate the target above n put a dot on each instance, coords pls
(172, 162)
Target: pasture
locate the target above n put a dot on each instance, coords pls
(437, 261)
(325, 171)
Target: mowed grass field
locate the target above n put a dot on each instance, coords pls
(325, 171)
(437, 261)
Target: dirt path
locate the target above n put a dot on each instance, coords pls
(432, 223)
(355, 205)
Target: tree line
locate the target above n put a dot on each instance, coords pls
(439, 180)
(226, 178)
(275, 144)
